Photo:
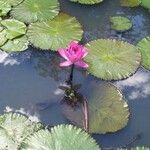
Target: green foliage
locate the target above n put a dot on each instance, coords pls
(56, 33)
(130, 3)
(89, 2)
(108, 112)
(112, 59)
(144, 46)
(36, 10)
(145, 3)
(4, 8)
(120, 23)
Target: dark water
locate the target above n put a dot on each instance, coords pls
(30, 80)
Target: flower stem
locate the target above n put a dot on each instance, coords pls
(85, 115)
(70, 80)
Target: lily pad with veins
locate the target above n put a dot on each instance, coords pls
(108, 111)
(4, 8)
(14, 128)
(56, 33)
(36, 10)
(11, 2)
(111, 59)
(63, 137)
(144, 46)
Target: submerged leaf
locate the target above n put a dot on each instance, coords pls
(120, 23)
(14, 128)
(108, 112)
(14, 28)
(4, 8)
(55, 33)
(62, 137)
(144, 46)
(112, 59)
(15, 45)
(36, 10)
(130, 3)
(89, 2)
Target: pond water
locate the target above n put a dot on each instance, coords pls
(30, 80)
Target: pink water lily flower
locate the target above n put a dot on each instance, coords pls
(74, 54)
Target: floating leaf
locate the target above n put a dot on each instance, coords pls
(36, 10)
(130, 3)
(11, 2)
(144, 46)
(3, 38)
(14, 28)
(89, 2)
(112, 59)
(55, 33)
(14, 128)
(4, 8)
(120, 24)
(145, 3)
(140, 148)
(62, 137)
(108, 112)
(15, 45)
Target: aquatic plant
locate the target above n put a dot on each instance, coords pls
(88, 2)
(130, 3)
(74, 55)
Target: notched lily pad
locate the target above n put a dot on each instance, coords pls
(14, 128)
(144, 46)
(89, 2)
(130, 3)
(56, 33)
(108, 112)
(16, 45)
(14, 28)
(120, 23)
(36, 10)
(63, 137)
(111, 59)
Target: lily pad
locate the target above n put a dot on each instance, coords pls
(36, 10)
(14, 28)
(140, 148)
(144, 46)
(120, 23)
(4, 8)
(14, 128)
(130, 3)
(89, 2)
(55, 33)
(11, 2)
(111, 59)
(62, 137)
(3, 38)
(15, 45)
(145, 3)
(108, 112)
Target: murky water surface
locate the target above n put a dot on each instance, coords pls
(30, 80)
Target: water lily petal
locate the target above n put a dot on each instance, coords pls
(85, 52)
(65, 64)
(63, 53)
(81, 64)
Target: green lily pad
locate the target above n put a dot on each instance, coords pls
(111, 59)
(14, 28)
(11, 2)
(145, 4)
(89, 2)
(55, 33)
(62, 137)
(4, 8)
(3, 38)
(120, 23)
(130, 3)
(14, 128)
(144, 46)
(108, 112)
(36, 10)
(140, 148)
(15, 45)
